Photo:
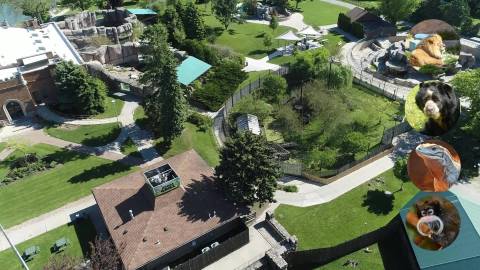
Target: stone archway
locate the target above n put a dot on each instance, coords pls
(14, 109)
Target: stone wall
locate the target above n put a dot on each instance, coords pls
(117, 24)
(118, 54)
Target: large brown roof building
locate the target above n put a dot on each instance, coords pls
(170, 229)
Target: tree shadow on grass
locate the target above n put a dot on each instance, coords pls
(103, 139)
(100, 171)
(63, 156)
(86, 233)
(378, 202)
(163, 146)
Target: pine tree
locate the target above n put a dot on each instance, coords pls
(166, 106)
(247, 173)
(193, 22)
(174, 26)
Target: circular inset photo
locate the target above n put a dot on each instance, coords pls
(432, 108)
(434, 166)
(433, 223)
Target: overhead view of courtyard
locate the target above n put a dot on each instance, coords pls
(239, 134)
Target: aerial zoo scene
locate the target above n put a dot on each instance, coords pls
(240, 134)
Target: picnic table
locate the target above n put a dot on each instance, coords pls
(30, 252)
(60, 244)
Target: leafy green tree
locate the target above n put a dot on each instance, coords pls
(250, 105)
(322, 159)
(247, 173)
(354, 142)
(250, 7)
(400, 168)
(174, 25)
(38, 9)
(396, 10)
(224, 11)
(467, 84)
(303, 69)
(455, 12)
(282, 4)
(273, 88)
(82, 4)
(297, 2)
(267, 40)
(273, 23)
(336, 76)
(287, 121)
(115, 3)
(79, 92)
(193, 22)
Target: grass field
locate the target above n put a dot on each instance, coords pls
(316, 12)
(364, 3)
(79, 234)
(71, 180)
(112, 109)
(192, 138)
(347, 217)
(90, 135)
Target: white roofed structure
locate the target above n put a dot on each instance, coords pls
(34, 48)
(309, 31)
(289, 36)
(248, 122)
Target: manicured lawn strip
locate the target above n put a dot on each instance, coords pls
(68, 182)
(344, 218)
(129, 148)
(318, 13)
(192, 138)
(140, 117)
(79, 234)
(112, 109)
(370, 261)
(247, 38)
(252, 77)
(3, 145)
(363, 3)
(90, 135)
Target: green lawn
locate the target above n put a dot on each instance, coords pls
(318, 13)
(89, 135)
(139, 117)
(252, 76)
(73, 179)
(79, 234)
(347, 217)
(364, 3)
(3, 145)
(112, 109)
(282, 60)
(129, 148)
(247, 39)
(192, 138)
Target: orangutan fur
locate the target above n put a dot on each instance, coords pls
(429, 51)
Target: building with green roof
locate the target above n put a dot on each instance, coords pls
(190, 69)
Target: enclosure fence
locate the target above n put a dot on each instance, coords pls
(248, 89)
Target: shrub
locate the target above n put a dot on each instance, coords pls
(288, 188)
(430, 69)
(336, 76)
(273, 88)
(400, 168)
(25, 166)
(287, 121)
(201, 51)
(201, 121)
(251, 105)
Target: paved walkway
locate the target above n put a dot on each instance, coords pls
(5, 153)
(311, 193)
(259, 64)
(47, 222)
(143, 139)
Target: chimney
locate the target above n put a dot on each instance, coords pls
(131, 214)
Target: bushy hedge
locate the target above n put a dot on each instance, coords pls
(357, 30)
(336, 76)
(25, 166)
(201, 121)
(344, 22)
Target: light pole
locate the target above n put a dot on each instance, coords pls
(24, 265)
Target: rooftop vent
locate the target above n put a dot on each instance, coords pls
(161, 179)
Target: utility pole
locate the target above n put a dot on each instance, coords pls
(25, 266)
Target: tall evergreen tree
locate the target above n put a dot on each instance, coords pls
(166, 106)
(395, 10)
(247, 173)
(224, 11)
(193, 22)
(174, 25)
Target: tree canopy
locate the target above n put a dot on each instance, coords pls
(192, 22)
(225, 11)
(273, 88)
(467, 84)
(173, 23)
(396, 10)
(247, 173)
(79, 92)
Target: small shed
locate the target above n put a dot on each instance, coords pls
(373, 25)
(190, 69)
(248, 122)
(143, 14)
